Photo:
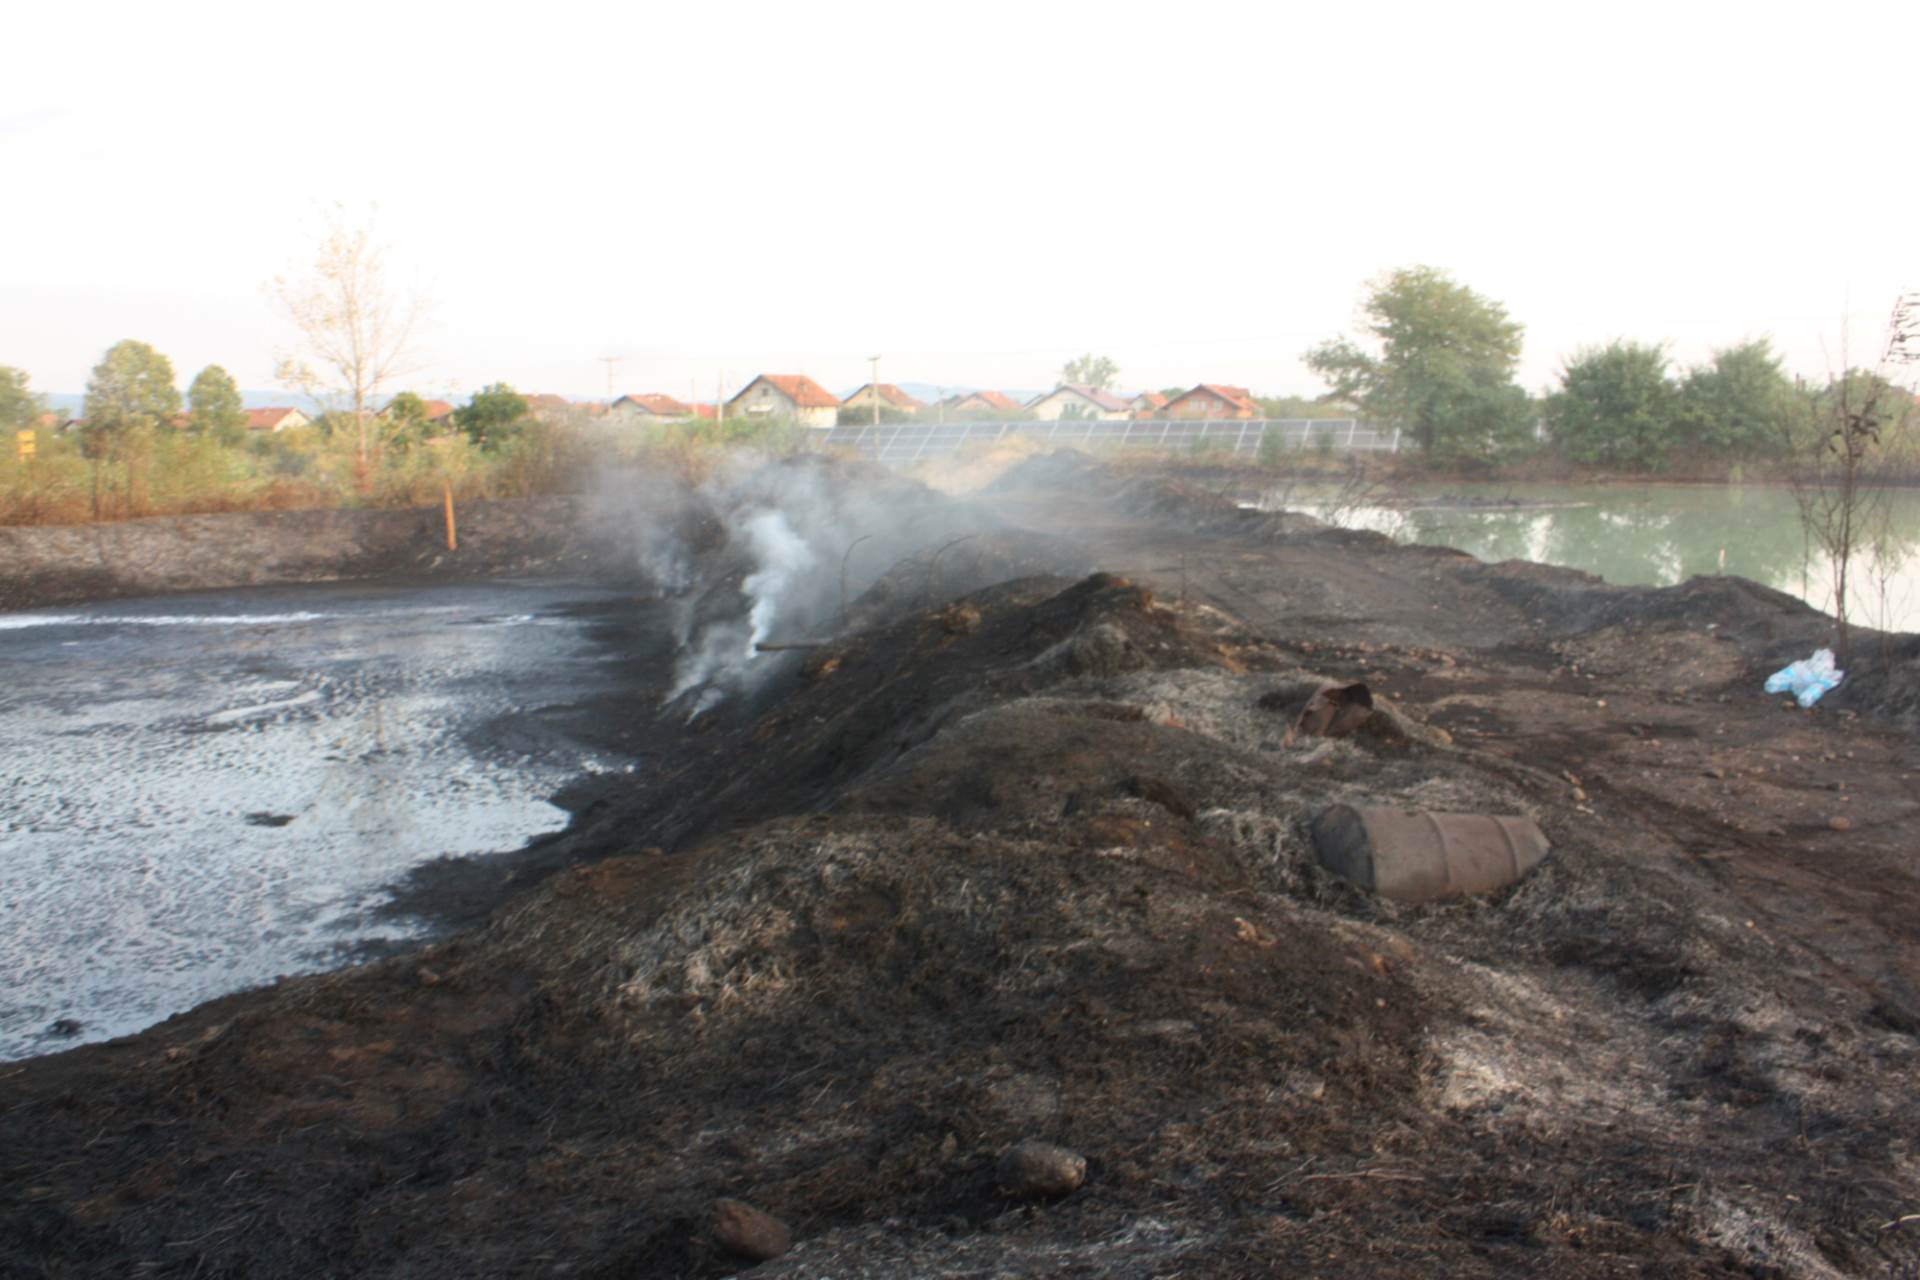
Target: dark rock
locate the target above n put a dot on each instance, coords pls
(65, 1028)
(1163, 793)
(1104, 650)
(1041, 1169)
(740, 1229)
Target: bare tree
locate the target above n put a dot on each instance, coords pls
(1842, 494)
(356, 337)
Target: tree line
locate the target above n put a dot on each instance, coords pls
(133, 409)
(1439, 360)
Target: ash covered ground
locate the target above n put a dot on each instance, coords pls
(1014, 849)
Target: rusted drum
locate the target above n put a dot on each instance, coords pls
(1421, 857)
(1334, 711)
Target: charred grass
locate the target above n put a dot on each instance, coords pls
(1033, 869)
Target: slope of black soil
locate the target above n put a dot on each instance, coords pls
(1032, 864)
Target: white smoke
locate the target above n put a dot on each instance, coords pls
(784, 530)
(783, 556)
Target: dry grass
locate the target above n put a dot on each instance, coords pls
(182, 474)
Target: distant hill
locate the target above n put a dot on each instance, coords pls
(68, 404)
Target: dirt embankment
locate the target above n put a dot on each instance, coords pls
(1033, 864)
(63, 564)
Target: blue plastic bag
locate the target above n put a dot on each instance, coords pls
(1808, 678)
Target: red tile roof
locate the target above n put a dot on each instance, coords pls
(267, 419)
(890, 394)
(797, 387)
(540, 402)
(998, 400)
(436, 409)
(1238, 398)
(706, 411)
(1153, 398)
(660, 405)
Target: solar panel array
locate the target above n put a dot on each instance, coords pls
(905, 443)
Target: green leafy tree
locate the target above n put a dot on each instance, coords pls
(1442, 366)
(1093, 371)
(129, 395)
(132, 385)
(493, 415)
(1863, 401)
(1615, 407)
(18, 406)
(407, 409)
(406, 416)
(1739, 406)
(213, 405)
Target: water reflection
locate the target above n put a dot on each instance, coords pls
(202, 792)
(1655, 535)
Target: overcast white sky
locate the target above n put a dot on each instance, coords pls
(975, 191)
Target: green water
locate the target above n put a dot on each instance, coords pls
(1655, 535)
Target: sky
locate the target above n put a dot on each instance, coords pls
(976, 193)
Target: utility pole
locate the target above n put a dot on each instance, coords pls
(873, 389)
(610, 361)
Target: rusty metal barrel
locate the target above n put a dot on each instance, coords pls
(1421, 857)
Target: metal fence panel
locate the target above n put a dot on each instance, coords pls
(906, 443)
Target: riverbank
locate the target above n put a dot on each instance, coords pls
(1014, 854)
(1307, 466)
(44, 565)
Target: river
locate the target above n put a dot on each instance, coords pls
(201, 792)
(1652, 535)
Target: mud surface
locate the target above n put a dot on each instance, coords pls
(203, 791)
(1031, 864)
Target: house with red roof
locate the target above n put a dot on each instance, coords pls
(792, 396)
(1212, 400)
(648, 407)
(888, 396)
(1148, 404)
(981, 404)
(547, 407)
(276, 419)
(1078, 400)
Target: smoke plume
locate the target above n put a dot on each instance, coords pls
(755, 553)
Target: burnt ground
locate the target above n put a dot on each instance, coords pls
(1032, 863)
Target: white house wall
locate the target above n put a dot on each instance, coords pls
(1053, 406)
(764, 400)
